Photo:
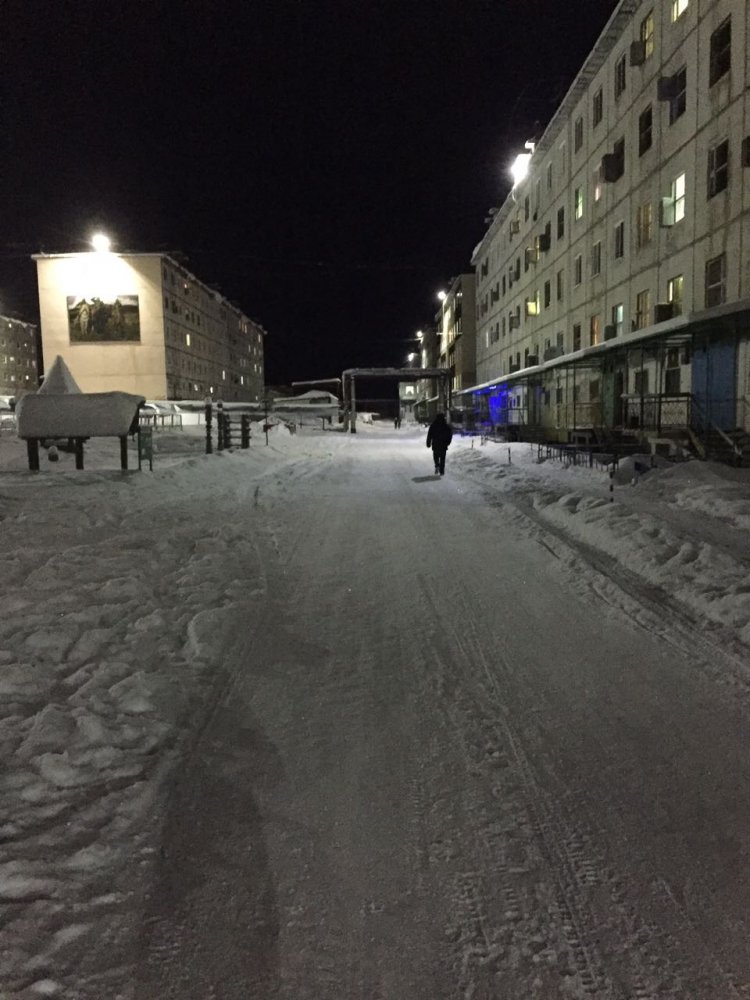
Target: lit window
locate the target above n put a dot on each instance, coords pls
(578, 202)
(187, 340)
(721, 52)
(673, 207)
(715, 281)
(675, 288)
(647, 34)
(618, 314)
(644, 224)
(642, 310)
(595, 330)
(678, 8)
(718, 168)
(598, 183)
(678, 197)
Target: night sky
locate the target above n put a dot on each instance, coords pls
(328, 165)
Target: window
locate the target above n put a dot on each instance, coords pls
(533, 305)
(596, 258)
(620, 240)
(674, 293)
(672, 381)
(576, 336)
(618, 314)
(526, 208)
(560, 223)
(560, 285)
(718, 168)
(547, 294)
(645, 130)
(715, 281)
(644, 224)
(619, 77)
(641, 382)
(721, 52)
(187, 340)
(678, 197)
(647, 34)
(598, 108)
(577, 134)
(598, 183)
(678, 100)
(678, 8)
(673, 207)
(549, 176)
(562, 159)
(578, 203)
(578, 270)
(595, 330)
(642, 309)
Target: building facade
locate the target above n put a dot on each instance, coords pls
(456, 328)
(142, 323)
(19, 357)
(613, 284)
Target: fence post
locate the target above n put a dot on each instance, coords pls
(209, 417)
(245, 430)
(220, 426)
(612, 483)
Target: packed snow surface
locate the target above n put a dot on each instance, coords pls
(306, 721)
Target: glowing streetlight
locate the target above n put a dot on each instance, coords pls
(520, 167)
(442, 295)
(419, 335)
(100, 243)
(410, 357)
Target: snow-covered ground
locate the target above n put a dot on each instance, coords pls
(305, 721)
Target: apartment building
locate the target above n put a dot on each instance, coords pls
(456, 329)
(142, 323)
(613, 284)
(19, 359)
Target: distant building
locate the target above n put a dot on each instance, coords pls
(142, 323)
(613, 284)
(456, 330)
(427, 390)
(19, 358)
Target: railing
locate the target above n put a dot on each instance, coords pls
(147, 419)
(657, 412)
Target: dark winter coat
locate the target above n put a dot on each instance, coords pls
(440, 434)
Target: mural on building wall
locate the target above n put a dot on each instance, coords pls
(95, 321)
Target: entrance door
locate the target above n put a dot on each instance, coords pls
(714, 373)
(612, 389)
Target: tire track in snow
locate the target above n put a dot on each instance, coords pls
(576, 871)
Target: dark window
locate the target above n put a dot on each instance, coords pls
(715, 281)
(672, 381)
(560, 222)
(526, 208)
(598, 109)
(645, 130)
(578, 270)
(721, 52)
(678, 101)
(547, 294)
(620, 239)
(560, 285)
(718, 168)
(578, 134)
(619, 77)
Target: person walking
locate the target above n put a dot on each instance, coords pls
(439, 436)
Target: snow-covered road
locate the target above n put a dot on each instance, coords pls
(374, 734)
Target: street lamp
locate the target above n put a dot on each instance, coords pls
(442, 295)
(100, 242)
